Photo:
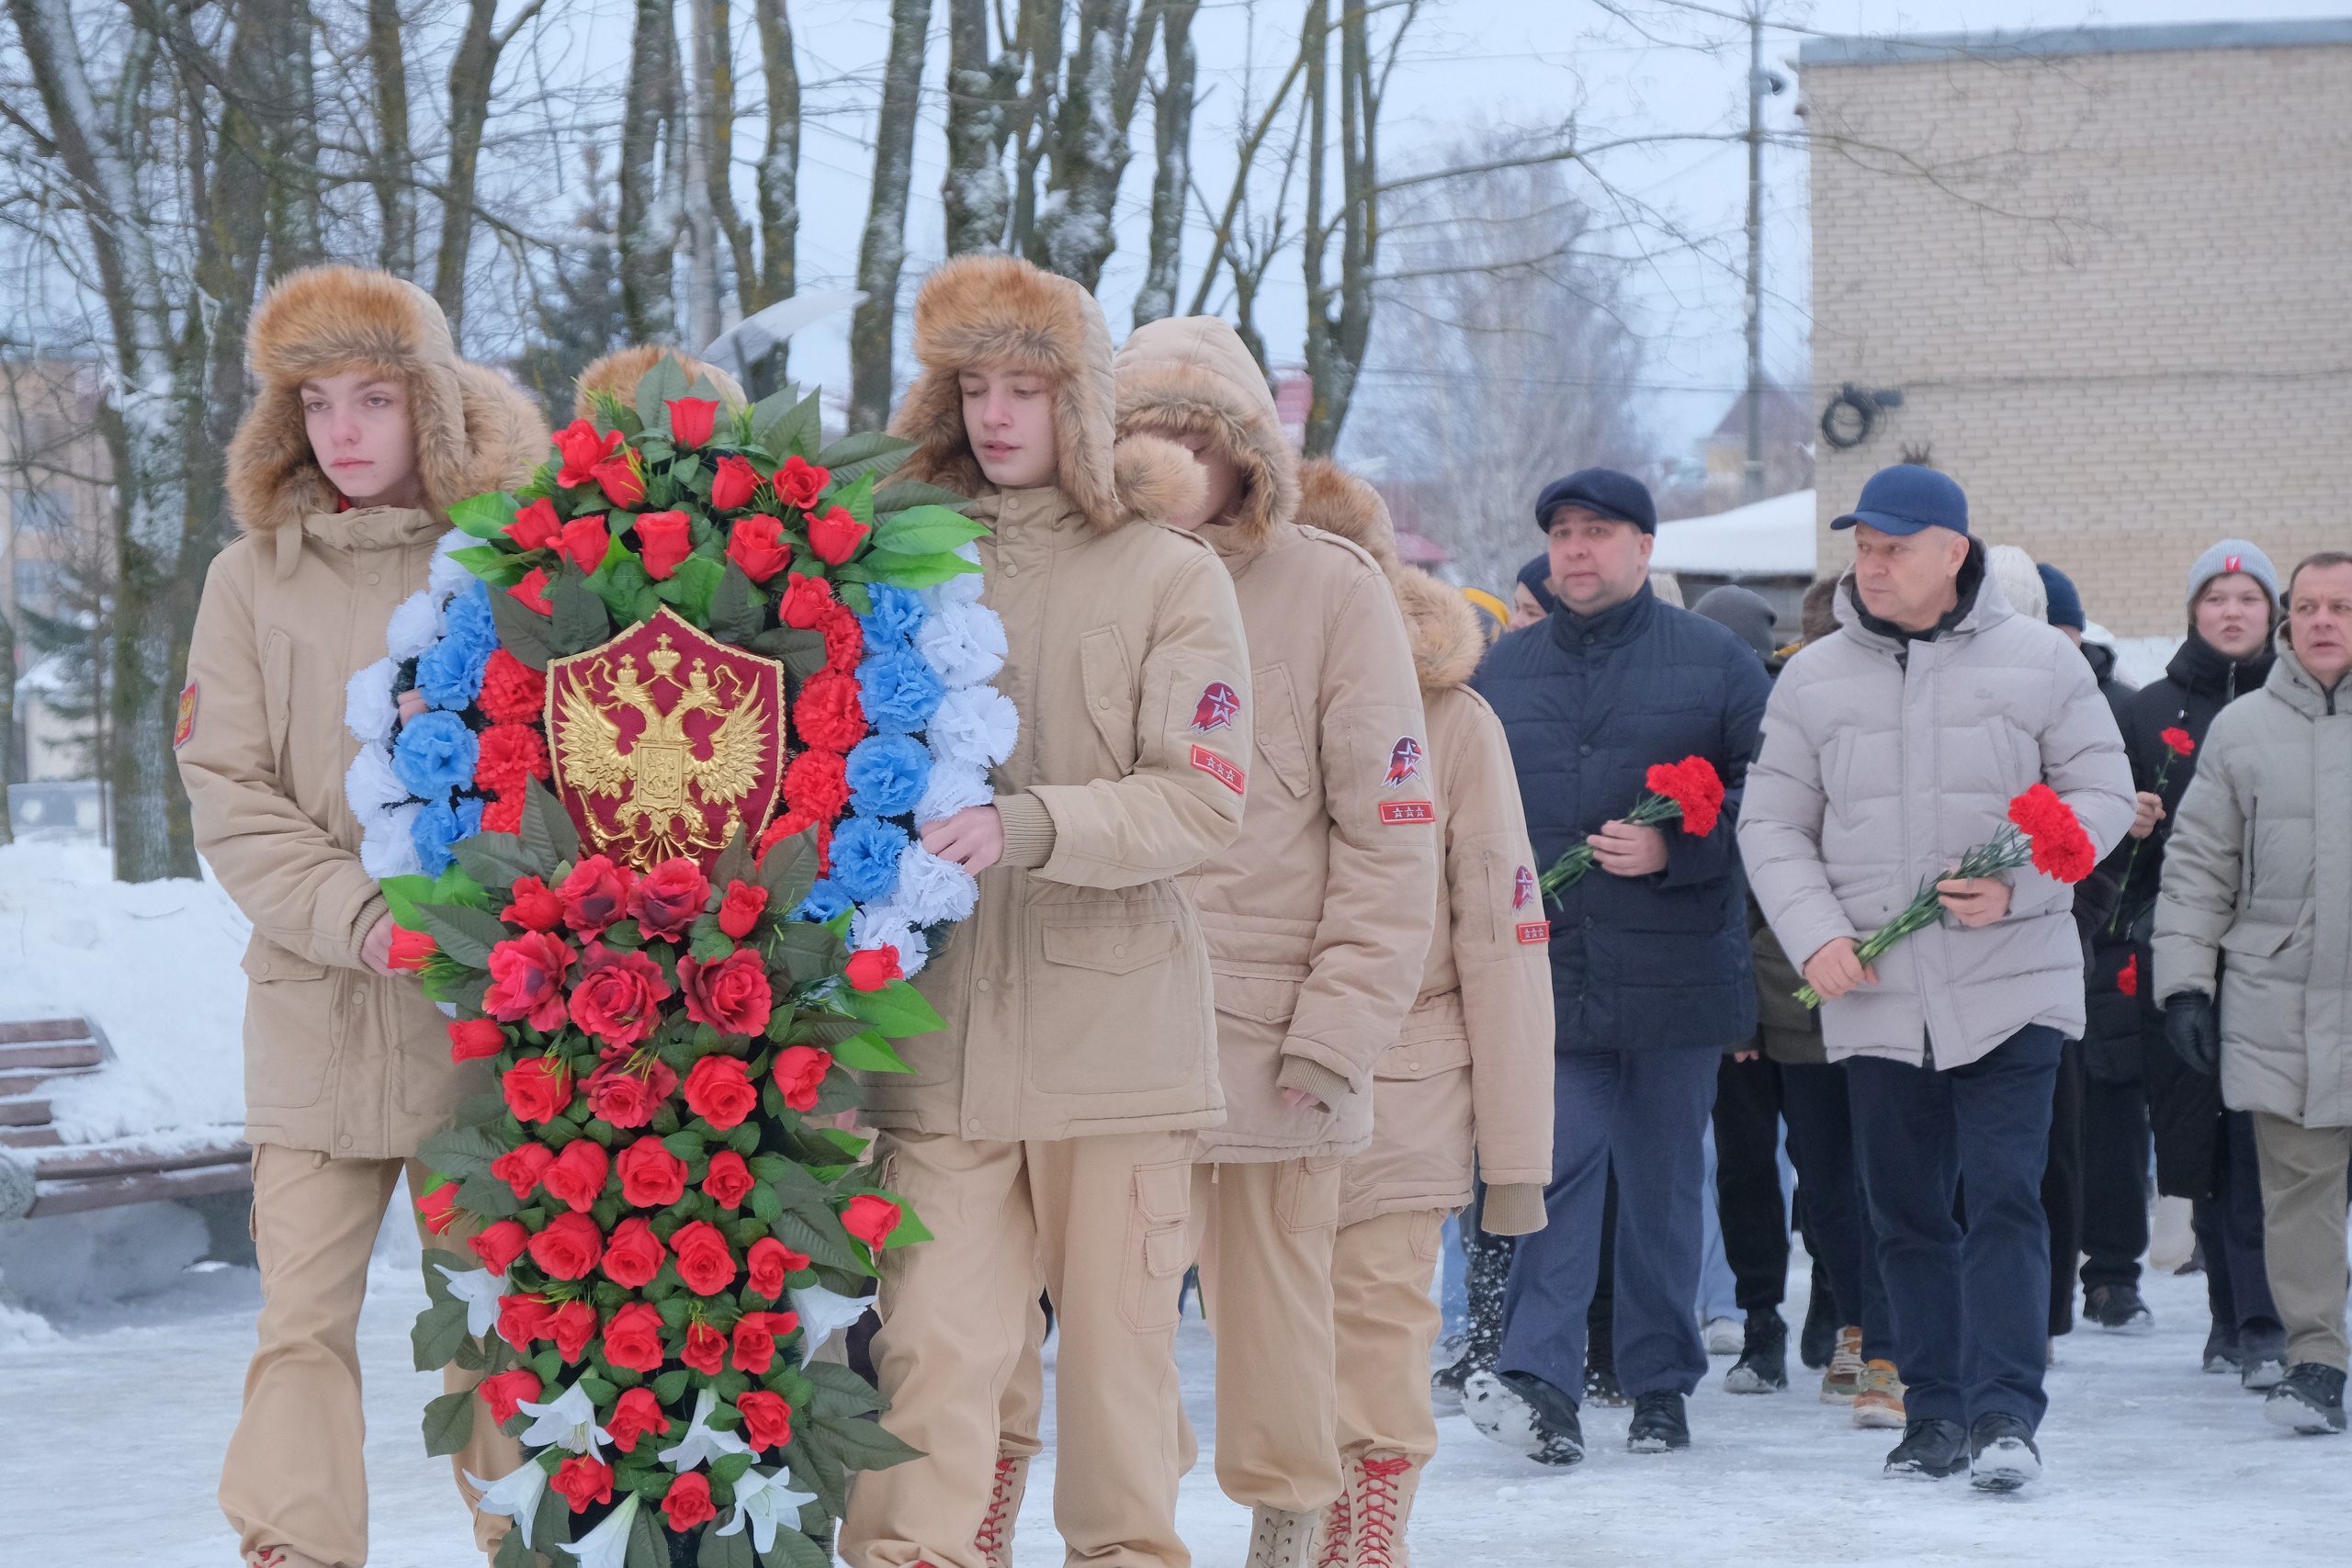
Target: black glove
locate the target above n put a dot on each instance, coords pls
(2194, 1030)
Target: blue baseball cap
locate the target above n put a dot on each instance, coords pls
(1907, 498)
(1604, 493)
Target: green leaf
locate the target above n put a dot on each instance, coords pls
(621, 583)
(867, 1051)
(766, 1206)
(498, 860)
(460, 1152)
(803, 652)
(690, 587)
(646, 1546)
(864, 452)
(670, 1386)
(901, 495)
(828, 1245)
(440, 1327)
(449, 1422)
(792, 1550)
(436, 1283)
(718, 1551)
(658, 386)
(551, 1525)
(864, 1445)
(787, 871)
(500, 569)
(484, 516)
(513, 1553)
(489, 1196)
(734, 862)
(916, 572)
(523, 632)
(466, 935)
(898, 1009)
(737, 610)
(580, 622)
(927, 530)
(457, 886)
(548, 835)
(839, 1390)
(809, 953)
(403, 895)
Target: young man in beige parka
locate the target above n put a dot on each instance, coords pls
(1045, 1136)
(365, 428)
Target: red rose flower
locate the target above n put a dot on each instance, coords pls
(622, 478)
(619, 995)
(537, 1088)
(836, 535)
(729, 1181)
(2179, 740)
(627, 1096)
(871, 1218)
(583, 447)
(2062, 851)
(801, 1073)
(755, 1336)
(818, 782)
(569, 1247)
(526, 980)
(511, 690)
(731, 996)
(507, 754)
(739, 910)
(503, 814)
(472, 1039)
(663, 540)
(805, 599)
(500, 1245)
(651, 1176)
(410, 949)
(633, 1253)
(584, 1479)
(633, 1338)
(504, 1392)
(799, 482)
(595, 894)
(576, 1180)
(534, 526)
(717, 1090)
(585, 542)
(2126, 979)
(767, 1263)
(636, 1412)
(438, 1210)
(829, 714)
(532, 592)
(705, 1349)
(688, 1501)
(667, 899)
(690, 420)
(523, 1318)
(704, 1262)
(844, 638)
(756, 544)
(521, 1169)
(533, 906)
(1694, 785)
(767, 1419)
(734, 484)
(871, 968)
(573, 1325)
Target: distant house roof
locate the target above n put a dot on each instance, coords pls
(1766, 538)
(2041, 43)
(1785, 419)
(1418, 549)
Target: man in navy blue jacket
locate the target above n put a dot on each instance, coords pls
(1650, 969)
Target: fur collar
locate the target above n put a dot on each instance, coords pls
(1444, 628)
(1191, 376)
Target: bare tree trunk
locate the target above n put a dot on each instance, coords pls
(1074, 234)
(1171, 179)
(390, 169)
(979, 101)
(647, 241)
(883, 251)
(702, 227)
(7, 724)
(1031, 122)
(470, 71)
(288, 104)
(1315, 48)
(721, 186)
(779, 180)
(1338, 324)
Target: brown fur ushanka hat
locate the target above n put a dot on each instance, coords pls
(1444, 632)
(1191, 375)
(620, 371)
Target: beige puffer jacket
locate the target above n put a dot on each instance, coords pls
(1317, 918)
(2257, 895)
(1077, 995)
(338, 1060)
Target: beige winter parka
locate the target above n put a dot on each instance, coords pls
(2257, 895)
(338, 1060)
(1317, 918)
(1077, 995)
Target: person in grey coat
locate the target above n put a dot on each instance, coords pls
(2255, 884)
(1890, 749)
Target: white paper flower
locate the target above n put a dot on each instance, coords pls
(764, 1502)
(931, 889)
(606, 1546)
(961, 589)
(568, 1421)
(963, 642)
(515, 1495)
(446, 576)
(367, 708)
(977, 725)
(701, 1445)
(885, 925)
(415, 625)
(952, 787)
(821, 1312)
(369, 786)
(479, 1290)
(386, 846)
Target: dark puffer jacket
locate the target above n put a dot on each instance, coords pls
(1590, 703)
(2111, 1020)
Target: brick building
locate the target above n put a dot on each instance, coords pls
(2105, 269)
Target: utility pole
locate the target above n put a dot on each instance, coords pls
(1753, 489)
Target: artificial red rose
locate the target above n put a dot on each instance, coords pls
(767, 1263)
(688, 1501)
(437, 1208)
(576, 1180)
(620, 995)
(583, 447)
(537, 1088)
(731, 996)
(532, 592)
(584, 1479)
(663, 540)
(595, 894)
(767, 1419)
(739, 910)
(805, 599)
(871, 1218)
(506, 754)
(690, 421)
(2181, 742)
(844, 638)
(836, 535)
(526, 980)
(585, 541)
(511, 690)
(636, 1412)
(756, 544)
(2126, 979)
(410, 949)
(829, 715)
(628, 1097)
(800, 1074)
(521, 1169)
(667, 899)
(871, 968)
(633, 1253)
(573, 1325)
(799, 482)
(818, 782)
(500, 1245)
(717, 1090)
(1694, 785)
(705, 1349)
(533, 906)
(569, 1247)
(534, 526)
(523, 1318)
(755, 1336)
(504, 1392)
(503, 814)
(730, 1180)
(622, 478)
(2060, 849)
(702, 1260)
(734, 484)
(472, 1039)
(633, 1337)
(651, 1176)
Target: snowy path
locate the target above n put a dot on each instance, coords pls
(2150, 1462)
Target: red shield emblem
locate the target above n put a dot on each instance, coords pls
(1403, 762)
(1216, 709)
(666, 742)
(1522, 887)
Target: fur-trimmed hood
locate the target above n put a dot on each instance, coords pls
(1191, 375)
(475, 430)
(620, 371)
(1447, 643)
(1000, 310)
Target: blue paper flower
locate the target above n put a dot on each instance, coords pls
(825, 900)
(438, 826)
(866, 857)
(898, 614)
(435, 754)
(887, 774)
(898, 690)
(449, 673)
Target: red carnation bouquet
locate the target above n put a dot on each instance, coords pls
(2041, 831)
(1689, 789)
(2178, 744)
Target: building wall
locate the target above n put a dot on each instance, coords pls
(2113, 290)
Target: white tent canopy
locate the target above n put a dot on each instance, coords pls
(1770, 538)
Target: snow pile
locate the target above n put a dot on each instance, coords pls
(67, 1265)
(155, 965)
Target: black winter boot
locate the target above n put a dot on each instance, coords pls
(2001, 1455)
(1818, 1342)
(2262, 1356)
(2309, 1400)
(1929, 1451)
(2118, 1308)
(1521, 1411)
(1489, 1267)
(1763, 1365)
(2223, 1353)
(1659, 1424)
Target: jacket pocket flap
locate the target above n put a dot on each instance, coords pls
(1253, 997)
(1164, 1193)
(1111, 949)
(1422, 1058)
(1108, 681)
(266, 961)
(1278, 735)
(2254, 940)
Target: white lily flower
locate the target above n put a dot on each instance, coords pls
(515, 1495)
(821, 1312)
(701, 1445)
(606, 1546)
(479, 1290)
(763, 1501)
(567, 1421)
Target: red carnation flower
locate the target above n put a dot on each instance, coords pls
(663, 540)
(509, 753)
(512, 691)
(503, 814)
(704, 1262)
(633, 1339)
(585, 542)
(871, 1218)
(733, 484)
(500, 1245)
(651, 1176)
(731, 996)
(1692, 784)
(729, 1181)
(569, 1247)
(690, 420)
(410, 949)
(800, 1074)
(2126, 979)
(818, 782)
(2181, 742)
(871, 968)
(505, 1392)
(522, 1168)
(576, 1180)
(595, 894)
(844, 638)
(472, 1039)
(705, 1349)
(829, 714)
(757, 545)
(439, 1208)
(739, 910)
(534, 526)
(688, 1501)
(633, 1253)
(533, 906)
(667, 899)
(767, 1263)
(536, 1088)
(584, 1479)
(532, 592)
(767, 1419)
(799, 482)
(526, 977)
(2060, 849)
(718, 1092)
(791, 823)
(637, 1413)
(836, 535)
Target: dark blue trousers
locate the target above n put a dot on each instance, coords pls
(2229, 1222)
(1971, 1311)
(1651, 1108)
(1821, 1145)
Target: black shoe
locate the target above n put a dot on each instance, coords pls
(1521, 1411)
(1929, 1451)
(1601, 1382)
(1763, 1364)
(1445, 1383)
(1659, 1424)
(1818, 1340)
(2262, 1357)
(2001, 1455)
(2222, 1350)
(2309, 1400)
(2118, 1308)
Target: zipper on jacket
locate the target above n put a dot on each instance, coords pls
(2252, 815)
